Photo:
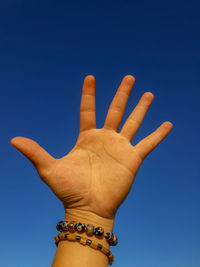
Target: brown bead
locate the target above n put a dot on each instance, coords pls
(90, 229)
(71, 226)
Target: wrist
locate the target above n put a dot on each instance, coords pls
(88, 217)
(67, 251)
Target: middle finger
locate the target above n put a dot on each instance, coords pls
(118, 105)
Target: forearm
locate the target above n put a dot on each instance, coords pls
(73, 254)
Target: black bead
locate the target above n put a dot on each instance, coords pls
(89, 241)
(59, 226)
(66, 235)
(97, 232)
(99, 246)
(108, 253)
(78, 238)
(108, 235)
(113, 242)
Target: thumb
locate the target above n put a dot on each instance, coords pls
(40, 158)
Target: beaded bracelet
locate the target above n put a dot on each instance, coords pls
(84, 241)
(64, 226)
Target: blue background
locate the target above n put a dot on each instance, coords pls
(46, 50)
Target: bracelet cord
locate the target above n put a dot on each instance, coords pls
(84, 241)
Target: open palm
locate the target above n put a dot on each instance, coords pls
(97, 174)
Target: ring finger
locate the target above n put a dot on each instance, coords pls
(136, 118)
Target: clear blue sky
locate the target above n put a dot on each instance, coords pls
(46, 50)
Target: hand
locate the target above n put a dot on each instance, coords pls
(97, 174)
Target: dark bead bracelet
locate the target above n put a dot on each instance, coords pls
(65, 226)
